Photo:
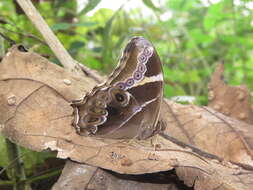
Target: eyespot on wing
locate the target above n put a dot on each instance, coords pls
(92, 120)
(88, 130)
(119, 97)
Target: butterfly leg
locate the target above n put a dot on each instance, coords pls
(159, 127)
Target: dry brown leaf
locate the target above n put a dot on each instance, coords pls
(210, 131)
(34, 102)
(112, 181)
(81, 176)
(74, 176)
(233, 101)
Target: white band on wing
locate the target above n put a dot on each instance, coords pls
(155, 78)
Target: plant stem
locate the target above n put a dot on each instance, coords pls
(17, 172)
(1, 47)
(5, 182)
(45, 176)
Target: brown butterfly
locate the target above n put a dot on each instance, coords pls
(127, 105)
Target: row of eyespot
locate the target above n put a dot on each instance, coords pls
(140, 71)
(96, 111)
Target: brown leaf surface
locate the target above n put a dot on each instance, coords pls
(209, 130)
(35, 113)
(107, 180)
(233, 101)
(81, 176)
(75, 176)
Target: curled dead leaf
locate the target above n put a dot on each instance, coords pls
(233, 101)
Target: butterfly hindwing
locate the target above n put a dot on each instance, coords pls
(127, 105)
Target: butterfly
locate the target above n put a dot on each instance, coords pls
(127, 104)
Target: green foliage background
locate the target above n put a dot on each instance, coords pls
(196, 37)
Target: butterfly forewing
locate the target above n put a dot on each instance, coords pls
(129, 100)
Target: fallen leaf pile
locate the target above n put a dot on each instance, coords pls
(207, 149)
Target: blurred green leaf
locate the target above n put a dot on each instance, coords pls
(150, 4)
(66, 26)
(174, 90)
(3, 154)
(92, 63)
(181, 5)
(91, 4)
(86, 24)
(106, 38)
(200, 37)
(75, 46)
(214, 15)
(61, 26)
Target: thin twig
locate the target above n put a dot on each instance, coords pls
(247, 148)
(48, 35)
(21, 33)
(1, 47)
(12, 42)
(5, 182)
(88, 71)
(26, 35)
(193, 148)
(201, 152)
(12, 162)
(33, 179)
(60, 52)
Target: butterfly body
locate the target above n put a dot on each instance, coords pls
(127, 105)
